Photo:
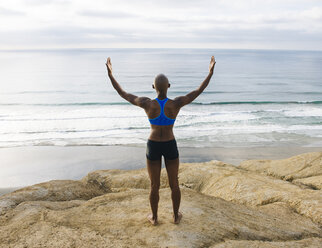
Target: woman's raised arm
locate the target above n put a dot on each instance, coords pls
(184, 100)
(135, 100)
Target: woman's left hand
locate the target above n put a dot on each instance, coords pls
(109, 65)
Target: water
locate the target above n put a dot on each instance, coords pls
(255, 98)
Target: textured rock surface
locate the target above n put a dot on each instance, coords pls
(222, 206)
(307, 243)
(300, 166)
(55, 190)
(311, 182)
(250, 188)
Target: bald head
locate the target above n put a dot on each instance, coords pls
(161, 83)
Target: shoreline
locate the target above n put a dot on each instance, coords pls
(25, 166)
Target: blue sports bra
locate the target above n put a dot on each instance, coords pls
(162, 120)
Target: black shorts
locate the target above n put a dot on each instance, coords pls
(156, 149)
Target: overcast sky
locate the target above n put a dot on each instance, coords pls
(252, 24)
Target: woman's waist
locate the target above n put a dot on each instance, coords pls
(161, 137)
(162, 141)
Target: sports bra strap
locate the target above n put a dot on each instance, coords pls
(162, 119)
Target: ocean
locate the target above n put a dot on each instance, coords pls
(255, 97)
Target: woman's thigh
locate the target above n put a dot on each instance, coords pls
(154, 170)
(172, 167)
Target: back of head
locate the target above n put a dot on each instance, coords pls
(161, 83)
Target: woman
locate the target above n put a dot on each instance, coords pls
(162, 113)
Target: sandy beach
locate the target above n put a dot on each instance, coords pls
(23, 166)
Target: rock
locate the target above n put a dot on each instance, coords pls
(312, 182)
(250, 188)
(54, 190)
(300, 166)
(118, 220)
(307, 243)
(222, 205)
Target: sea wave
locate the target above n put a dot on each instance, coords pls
(260, 102)
(194, 103)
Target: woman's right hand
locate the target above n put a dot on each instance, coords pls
(109, 65)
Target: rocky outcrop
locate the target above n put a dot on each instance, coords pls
(55, 190)
(298, 167)
(312, 182)
(222, 205)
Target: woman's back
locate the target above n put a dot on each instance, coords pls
(162, 122)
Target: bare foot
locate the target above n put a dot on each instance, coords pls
(177, 221)
(153, 221)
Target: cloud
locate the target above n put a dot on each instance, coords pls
(108, 23)
(68, 36)
(107, 14)
(10, 12)
(46, 2)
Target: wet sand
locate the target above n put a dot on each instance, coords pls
(23, 166)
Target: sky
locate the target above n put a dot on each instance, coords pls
(238, 24)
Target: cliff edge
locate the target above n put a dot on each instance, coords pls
(260, 203)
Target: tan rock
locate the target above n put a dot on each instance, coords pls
(119, 220)
(307, 243)
(222, 206)
(54, 190)
(300, 166)
(250, 188)
(312, 182)
(226, 181)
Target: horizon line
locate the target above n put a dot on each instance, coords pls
(147, 48)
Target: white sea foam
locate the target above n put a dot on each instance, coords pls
(312, 111)
(126, 124)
